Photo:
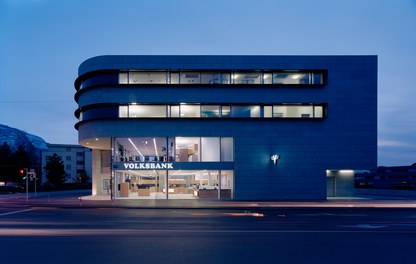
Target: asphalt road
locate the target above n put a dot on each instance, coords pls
(265, 235)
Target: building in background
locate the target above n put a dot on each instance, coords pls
(227, 127)
(77, 160)
(388, 177)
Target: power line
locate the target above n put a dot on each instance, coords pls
(36, 101)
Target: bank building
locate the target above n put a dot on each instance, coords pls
(227, 127)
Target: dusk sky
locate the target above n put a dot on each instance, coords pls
(44, 41)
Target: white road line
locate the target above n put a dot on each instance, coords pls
(133, 232)
(16, 212)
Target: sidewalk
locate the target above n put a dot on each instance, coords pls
(83, 199)
(348, 202)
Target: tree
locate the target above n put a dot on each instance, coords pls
(82, 177)
(7, 170)
(55, 170)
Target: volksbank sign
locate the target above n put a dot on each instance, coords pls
(147, 166)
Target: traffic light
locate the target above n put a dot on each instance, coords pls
(22, 173)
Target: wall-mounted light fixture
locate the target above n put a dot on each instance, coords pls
(274, 158)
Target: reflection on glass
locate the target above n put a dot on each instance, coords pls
(245, 111)
(226, 185)
(123, 78)
(297, 78)
(210, 110)
(246, 78)
(225, 111)
(267, 78)
(210, 147)
(227, 149)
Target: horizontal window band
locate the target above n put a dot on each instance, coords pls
(220, 78)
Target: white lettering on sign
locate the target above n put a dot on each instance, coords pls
(147, 166)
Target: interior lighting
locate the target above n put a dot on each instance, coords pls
(177, 172)
(134, 146)
(296, 76)
(154, 143)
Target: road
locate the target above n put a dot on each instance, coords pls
(30, 234)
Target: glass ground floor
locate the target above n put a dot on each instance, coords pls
(174, 184)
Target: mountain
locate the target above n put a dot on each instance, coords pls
(15, 137)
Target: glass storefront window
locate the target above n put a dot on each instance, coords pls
(180, 184)
(146, 184)
(142, 149)
(227, 149)
(174, 184)
(187, 149)
(136, 183)
(226, 184)
(210, 147)
(179, 149)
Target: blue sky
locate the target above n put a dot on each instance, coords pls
(44, 41)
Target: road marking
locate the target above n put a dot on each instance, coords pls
(152, 232)
(17, 212)
(367, 226)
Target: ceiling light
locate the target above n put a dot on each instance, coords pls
(134, 146)
(154, 143)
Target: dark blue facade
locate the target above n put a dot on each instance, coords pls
(345, 138)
